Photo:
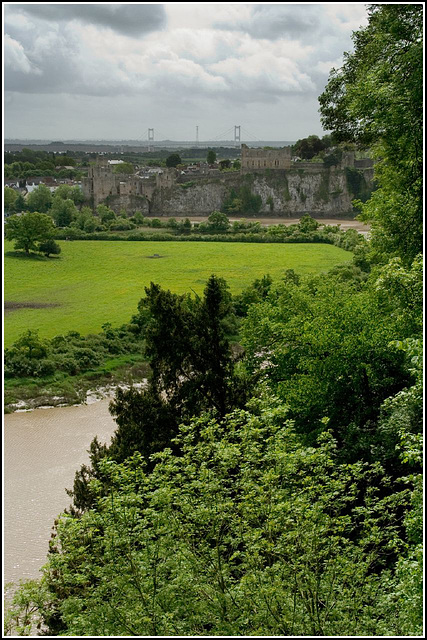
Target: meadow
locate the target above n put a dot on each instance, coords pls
(94, 282)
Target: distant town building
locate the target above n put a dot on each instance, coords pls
(260, 159)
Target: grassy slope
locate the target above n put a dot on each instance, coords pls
(97, 282)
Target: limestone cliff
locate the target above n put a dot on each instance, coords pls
(319, 191)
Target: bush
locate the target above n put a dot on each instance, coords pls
(155, 223)
(307, 223)
(138, 218)
(122, 225)
(30, 356)
(49, 247)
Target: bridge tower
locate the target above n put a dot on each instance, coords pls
(237, 135)
(150, 139)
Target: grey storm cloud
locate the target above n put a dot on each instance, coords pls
(128, 19)
(271, 22)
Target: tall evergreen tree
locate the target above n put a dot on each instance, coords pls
(191, 372)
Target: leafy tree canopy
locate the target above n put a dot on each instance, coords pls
(218, 221)
(29, 229)
(173, 160)
(105, 213)
(243, 532)
(66, 192)
(211, 156)
(40, 199)
(125, 167)
(326, 350)
(64, 161)
(376, 98)
(63, 211)
(309, 147)
(49, 247)
(10, 196)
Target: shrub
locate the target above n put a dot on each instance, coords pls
(49, 247)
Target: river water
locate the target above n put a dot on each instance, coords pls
(42, 450)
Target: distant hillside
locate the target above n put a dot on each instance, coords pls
(13, 144)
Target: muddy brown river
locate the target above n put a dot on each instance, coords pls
(42, 450)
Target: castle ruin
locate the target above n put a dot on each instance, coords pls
(260, 159)
(103, 182)
(289, 188)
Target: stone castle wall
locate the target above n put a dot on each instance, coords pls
(102, 183)
(295, 190)
(256, 159)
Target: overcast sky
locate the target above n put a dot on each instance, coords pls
(111, 71)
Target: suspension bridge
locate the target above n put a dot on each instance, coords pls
(232, 137)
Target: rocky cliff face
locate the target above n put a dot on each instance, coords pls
(199, 199)
(319, 191)
(129, 203)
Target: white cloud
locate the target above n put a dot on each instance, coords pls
(19, 21)
(15, 58)
(349, 17)
(188, 62)
(327, 65)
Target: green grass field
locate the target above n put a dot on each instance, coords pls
(93, 282)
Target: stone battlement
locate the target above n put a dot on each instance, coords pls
(259, 159)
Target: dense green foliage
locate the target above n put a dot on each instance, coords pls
(29, 229)
(173, 160)
(124, 168)
(62, 211)
(30, 163)
(277, 492)
(211, 156)
(343, 364)
(72, 353)
(191, 371)
(40, 199)
(307, 148)
(10, 196)
(376, 98)
(245, 532)
(297, 515)
(242, 201)
(49, 247)
(216, 223)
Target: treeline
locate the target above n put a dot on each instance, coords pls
(348, 240)
(29, 163)
(33, 163)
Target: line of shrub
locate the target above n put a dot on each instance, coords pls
(344, 239)
(32, 356)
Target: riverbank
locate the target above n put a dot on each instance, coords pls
(26, 394)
